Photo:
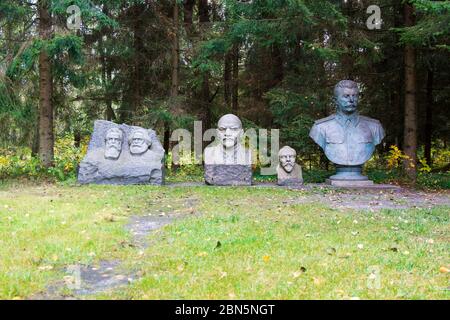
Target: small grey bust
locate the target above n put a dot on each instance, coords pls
(289, 172)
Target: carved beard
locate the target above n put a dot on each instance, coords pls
(288, 166)
(112, 152)
(136, 148)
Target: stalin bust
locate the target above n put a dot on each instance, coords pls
(347, 138)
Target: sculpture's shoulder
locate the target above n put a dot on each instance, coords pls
(211, 149)
(370, 121)
(211, 155)
(324, 121)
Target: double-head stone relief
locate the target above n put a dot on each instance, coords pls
(347, 138)
(228, 161)
(122, 154)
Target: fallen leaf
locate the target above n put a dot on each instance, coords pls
(45, 268)
(318, 281)
(444, 270)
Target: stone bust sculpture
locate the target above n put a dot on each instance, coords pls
(288, 171)
(139, 142)
(229, 150)
(113, 143)
(347, 138)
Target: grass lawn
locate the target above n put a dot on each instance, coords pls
(232, 243)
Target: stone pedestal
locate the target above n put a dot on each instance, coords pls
(290, 182)
(228, 175)
(350, 183)
(349, 176)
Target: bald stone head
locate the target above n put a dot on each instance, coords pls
(229, 130)
(287, 157)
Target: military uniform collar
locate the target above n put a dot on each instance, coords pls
(342, 119)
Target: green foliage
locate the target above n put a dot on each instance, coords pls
(433, 29)
(20, 163)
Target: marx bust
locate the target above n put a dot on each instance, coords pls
(347, 138)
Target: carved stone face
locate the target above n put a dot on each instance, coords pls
(287, 158)
(139, 142)
(347, 100)
(113, 144)
(229, 130)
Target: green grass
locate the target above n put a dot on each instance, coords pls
(271, 247)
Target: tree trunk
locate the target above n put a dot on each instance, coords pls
(188, 8)
(77, 138)
(428, 116)
(410, 130)
(227, 79)
(106, 70)
(138, 47)
(235, 102)
(35, 144)
(175, 54)
(46, 136)
(175, 77)
(203, 15)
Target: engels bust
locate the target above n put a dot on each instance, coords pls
(229, 149)
(113, 143)
(347, 138)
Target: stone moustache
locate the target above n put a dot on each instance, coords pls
(122, 154)
(347, 138)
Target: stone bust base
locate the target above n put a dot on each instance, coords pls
(349, 183)
(228, 175)
(290, 182)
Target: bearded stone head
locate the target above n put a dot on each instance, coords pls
(113, 143)
(287, 157)
(139, 141)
